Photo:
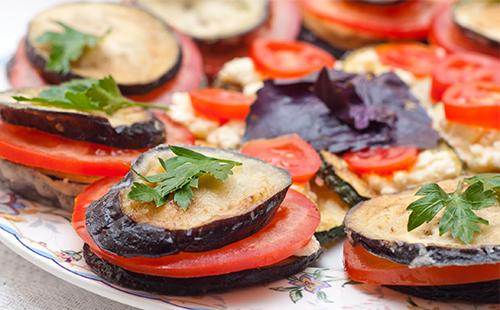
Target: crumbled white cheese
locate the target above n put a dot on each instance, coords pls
(242, 73)
(431, 166)
(478, 147)
(227, 136)
(182, 112)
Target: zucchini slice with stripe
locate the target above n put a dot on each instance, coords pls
(479, 20)
(220, 213)
(128, 128)
(210, 20)
(137, 49)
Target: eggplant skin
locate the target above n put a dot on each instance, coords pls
(330, 236)
(410, 253)
(195, 286)
(87, 127)
(476, 293)
(52, 77)
(115, 232)
(36, 186)
(308, 36)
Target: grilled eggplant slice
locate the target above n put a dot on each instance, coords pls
(136, 48)
(333, 210)
(210, 21)
(35, 185)
(129, 128)
(220, 212)
(337, 176)
(479, 20)
(380, 226)
(196, 286)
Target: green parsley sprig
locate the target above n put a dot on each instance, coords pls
(66, 46)
(86, 95)
(458, 217)
(181, 174)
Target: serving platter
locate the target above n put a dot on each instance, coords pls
(44, 236)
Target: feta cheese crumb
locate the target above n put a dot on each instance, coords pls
(227, 136)
(240, 72)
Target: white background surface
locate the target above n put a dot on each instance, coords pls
(22, 285)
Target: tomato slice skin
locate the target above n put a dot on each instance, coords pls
(419, 59)
(407, 20)
(290, 229)
(288, 59)
(221, 104)
(22, 74)
(363, 266)
(289, 152)
(445, 33)
(35, 148)
(473, 104)
(381, 160)
(284, 24)
(463, 68)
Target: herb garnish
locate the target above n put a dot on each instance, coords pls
(182, 173)
(458, 218)
(87, 95)
(65, 47)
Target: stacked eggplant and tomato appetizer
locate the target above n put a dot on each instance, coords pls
(93, 40)
(55, 140)
(440, 242)
(225, 29)
(191, 220)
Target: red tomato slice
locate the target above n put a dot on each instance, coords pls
(35, 148)
(288, 59)
(474, 104)
(363, 266)
(289, 152)
(221, 104)
(190, 76)
(445, 33)
(417, 58)
(290, 230)
(381, 160)
(407, 20)
(284, 24)
(463, 68)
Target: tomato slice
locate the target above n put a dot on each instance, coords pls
(190, 76)
(473, 104)
(463, 68)
(416, 58)
(363, 266)
(445, 33)
(406, 20)
(381, 160)
(289, 152)
(35, 148)
(221, 104)
(290, 230)
(288, 59)
(283, 24)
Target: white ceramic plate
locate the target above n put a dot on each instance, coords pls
(44, 236)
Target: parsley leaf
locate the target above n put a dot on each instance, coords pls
(458, 217)
(86, 95)
(181, 174)
(66, 46)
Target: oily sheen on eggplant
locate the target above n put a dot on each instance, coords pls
(379, 225)
(210, 21)
(129, 128)
(219, 214)
(136, 48)
(200, 285)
